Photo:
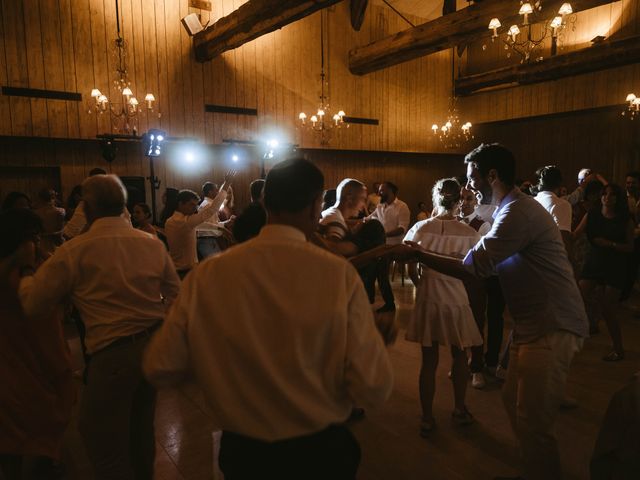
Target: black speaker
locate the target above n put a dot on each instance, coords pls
(136, 191)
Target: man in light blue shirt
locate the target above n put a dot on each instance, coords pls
(525, 249)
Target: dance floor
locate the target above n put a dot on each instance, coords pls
(391, 445)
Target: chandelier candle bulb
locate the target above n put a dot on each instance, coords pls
(514, 31)
(127, 92)
(434, 127)
(525, 10)
(494, 24)
(630, 98)
(320, 112)
(565, 9)
(149, 98)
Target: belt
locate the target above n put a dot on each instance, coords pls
(130, 339)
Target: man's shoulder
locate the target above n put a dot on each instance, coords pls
(332, 215)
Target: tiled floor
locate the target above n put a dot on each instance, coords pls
(391, 446)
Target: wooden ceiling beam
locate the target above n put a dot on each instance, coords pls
(458, 28)
(358, 8)
(252, 20)
(601, 56)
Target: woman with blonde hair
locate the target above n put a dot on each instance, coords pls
(442, 314)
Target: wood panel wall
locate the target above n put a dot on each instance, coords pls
(69, 45)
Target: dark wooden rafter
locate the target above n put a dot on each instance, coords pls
(462, 27)
(358, 9)
(601, 56)
(252, 20)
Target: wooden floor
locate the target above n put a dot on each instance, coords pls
(391, 446)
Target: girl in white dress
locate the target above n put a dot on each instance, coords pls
(442, 315)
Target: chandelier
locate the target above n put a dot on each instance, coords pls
(633, 106)
(527, 44)
(125, 110)
(453, 133)
(322, 122)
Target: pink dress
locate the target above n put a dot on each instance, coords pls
(442, 313)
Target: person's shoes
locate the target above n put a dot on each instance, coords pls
(462, 418)
(613, 357)
(426, 427)
(568, 403)
(501, 373)
(357, 413)
(388, 307)
(478, 381)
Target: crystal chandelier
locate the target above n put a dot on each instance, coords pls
(322, 122)
(124, 111)
(633, 106)
(528, 44)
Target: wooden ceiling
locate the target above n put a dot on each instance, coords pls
(426, 9)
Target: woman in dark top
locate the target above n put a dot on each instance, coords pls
(609, 230)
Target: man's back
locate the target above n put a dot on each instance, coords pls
(114, 274)
(293, 349)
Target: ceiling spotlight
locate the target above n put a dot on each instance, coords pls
(234, 158)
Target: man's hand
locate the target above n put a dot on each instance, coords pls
(228, 178)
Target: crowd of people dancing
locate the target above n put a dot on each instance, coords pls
(229, 300)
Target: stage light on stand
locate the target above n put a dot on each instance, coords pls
(234, 158)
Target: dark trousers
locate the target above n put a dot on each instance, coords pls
(382, 275)
(495, 327)
(632, 271)
(116, 414)
(332, 453)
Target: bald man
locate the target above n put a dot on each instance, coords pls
(121, 280)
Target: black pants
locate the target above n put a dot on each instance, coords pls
(332, 454)
(384, 284)
(495, 327)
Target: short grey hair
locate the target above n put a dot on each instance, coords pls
(348, 187)
(105, 195)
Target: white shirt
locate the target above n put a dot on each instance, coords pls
(180, 230)
(392, 216)
(333, 223)
(294, 348)
(559, 208)
(78, 222)
(211, 226)
(484, 228)
(114, 274)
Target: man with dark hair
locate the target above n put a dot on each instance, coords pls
(525, 248)
(254, 217)
(181, 227)
(395, 216)
(549, 183)
(281, 366)
(116, 276)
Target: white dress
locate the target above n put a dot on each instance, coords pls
(442, 313)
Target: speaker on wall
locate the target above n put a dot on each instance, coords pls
(136, 191)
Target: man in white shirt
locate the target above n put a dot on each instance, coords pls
(212, 228)
(469, 212)
(549, 183)
(180, 228)
(395, 216)
(121, 280)
(351, 195)
(281, 366)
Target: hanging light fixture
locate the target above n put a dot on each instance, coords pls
(528, 46)
(124, 111)
(453, 133)
(633, 106)
(322, 122)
